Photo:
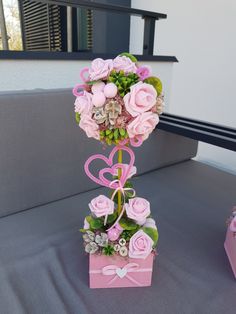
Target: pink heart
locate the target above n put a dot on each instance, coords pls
(101, 180)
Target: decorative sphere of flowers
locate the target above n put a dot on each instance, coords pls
(121, 97)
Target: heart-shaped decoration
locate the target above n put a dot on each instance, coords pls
(101, 179)
(121, 272)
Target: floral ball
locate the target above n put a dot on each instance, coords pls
(121, 97)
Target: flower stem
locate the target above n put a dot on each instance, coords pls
(119, 176)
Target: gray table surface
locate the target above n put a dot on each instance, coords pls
(43, 268)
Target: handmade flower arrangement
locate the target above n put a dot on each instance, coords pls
(119, 102)
(119, 99)
(230, 241)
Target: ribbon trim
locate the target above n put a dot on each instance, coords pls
(122, 189)
(118, 272)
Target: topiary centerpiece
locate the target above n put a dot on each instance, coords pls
(119, 102)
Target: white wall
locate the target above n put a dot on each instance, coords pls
(202, 36)
(34, 74)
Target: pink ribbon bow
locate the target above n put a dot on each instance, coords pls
(118, 272)
(119, 187)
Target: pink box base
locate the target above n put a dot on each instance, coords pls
(230, 248)
(122, 272)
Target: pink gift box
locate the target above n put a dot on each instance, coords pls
(116, 271)
(230, 248)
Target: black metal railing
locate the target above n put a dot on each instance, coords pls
(210, 133)
(148, 16)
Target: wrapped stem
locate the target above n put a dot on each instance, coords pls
(119, 176)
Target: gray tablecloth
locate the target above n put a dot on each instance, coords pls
(43, 268)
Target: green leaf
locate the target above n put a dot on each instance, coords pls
(111, 136)
(77, 117)
(116, 134)
(111, 218)
(153, 234)
(88, 218)
(128, 224)
(122, 132)
(83, 230)
(155, 82)
(96, 223)
(91, 82)
(108, 132)
(129, 55)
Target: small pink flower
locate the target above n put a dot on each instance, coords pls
(83, 104)
(138, 209)
(101, 206)
(143, 72)
(113, 234)
(100, 69)
(141, 98)
(140, 245)
(123, 63)
(143, 125)
(89, 126)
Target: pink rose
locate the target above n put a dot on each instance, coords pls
(143, 125)
(138, 209)
(101, 206)
(141, 98)
(140, 245)
(113, 234)
(123, 63)
(89, 126)
(100, 69)
(143, 72)
(83, 104)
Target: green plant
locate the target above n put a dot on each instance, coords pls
(108, 250)
(123, 81)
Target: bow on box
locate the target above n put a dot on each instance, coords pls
(117, 272)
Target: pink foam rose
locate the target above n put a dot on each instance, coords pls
(83, 104)
(141, 98)
(138, 209)
(233, 225)
(143, 125)
(140, 245)
(101, 206)
(89, 126)
(100, 69)
(143, 72)
(113, 234)
(123, 63)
